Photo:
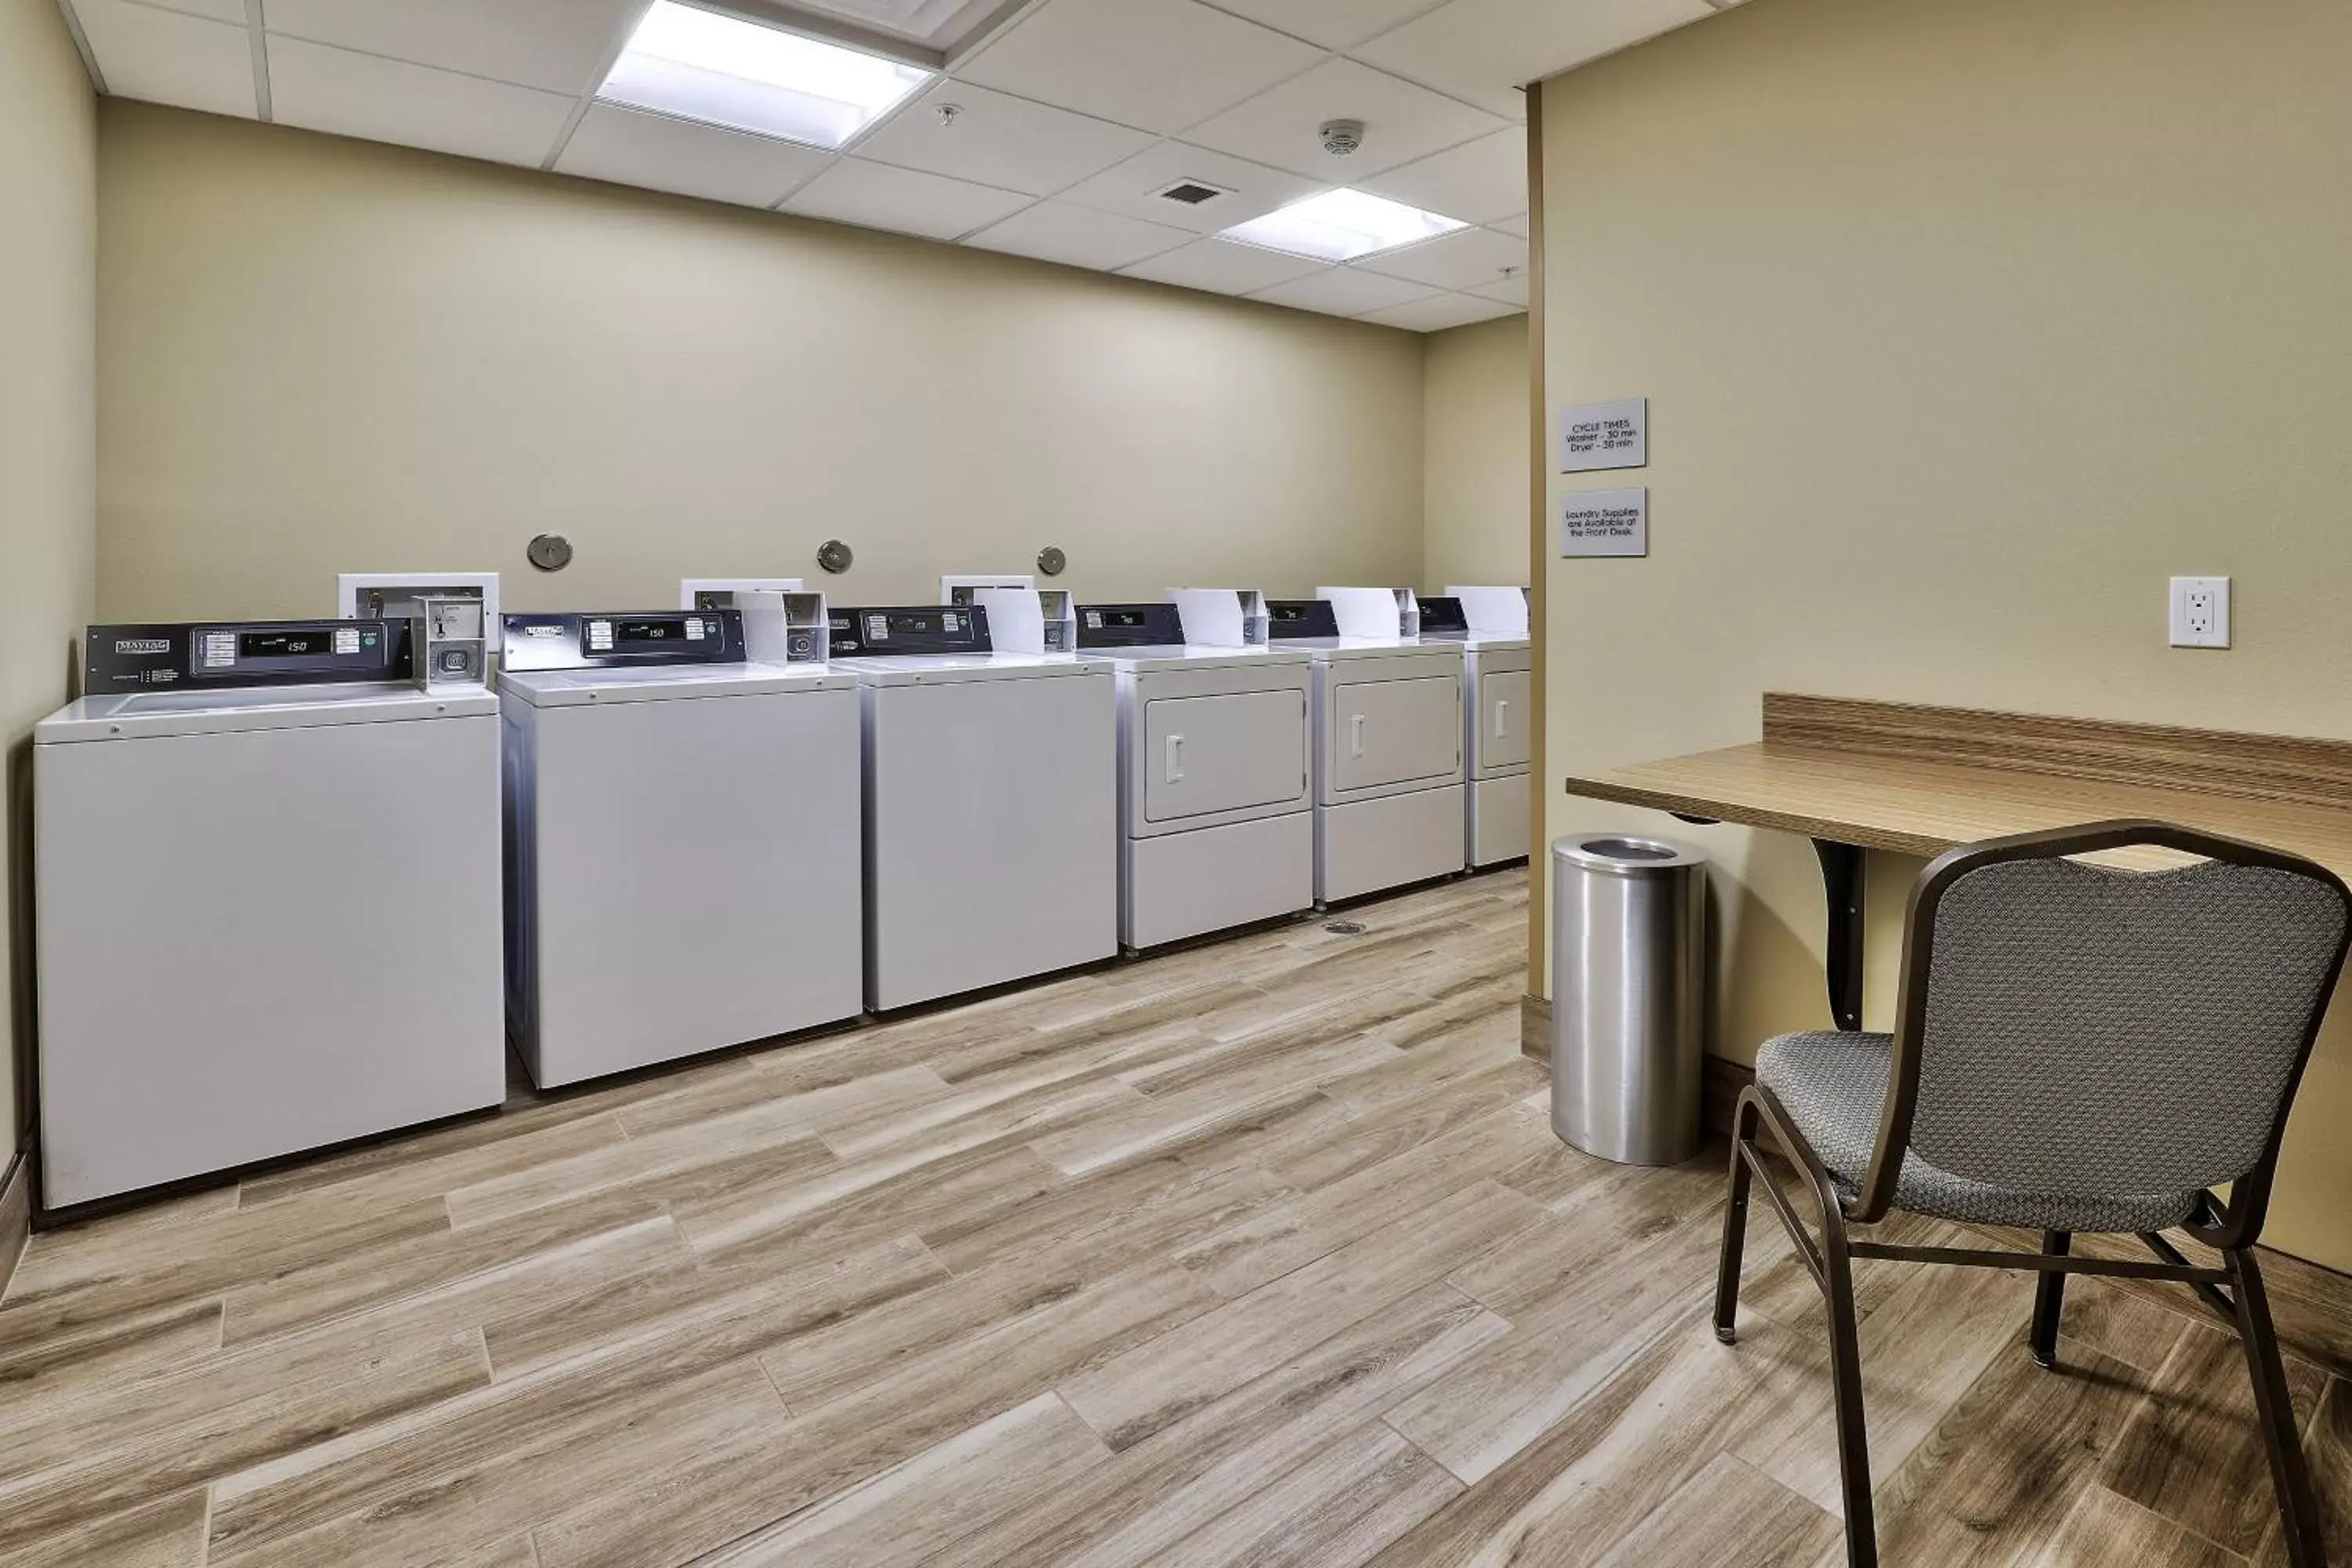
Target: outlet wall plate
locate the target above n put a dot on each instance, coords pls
(2201, 611)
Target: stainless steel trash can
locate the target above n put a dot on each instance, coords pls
(1629, 995)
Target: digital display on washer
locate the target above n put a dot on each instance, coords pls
(302, 644)
(659, 629)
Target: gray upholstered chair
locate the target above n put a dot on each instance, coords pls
(2077, 1049)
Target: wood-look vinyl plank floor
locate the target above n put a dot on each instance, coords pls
(1256, 1252)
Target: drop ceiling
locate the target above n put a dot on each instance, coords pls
(1051, 132)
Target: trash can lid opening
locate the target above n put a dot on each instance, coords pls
(1625, 854)
(1629, 849)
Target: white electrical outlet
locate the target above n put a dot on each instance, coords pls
(2201, 611)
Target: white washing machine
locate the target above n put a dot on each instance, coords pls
(1499, 692)
(1216, 801)
(682, 840)
(267, 889)
(991, 816)
(1387, 752)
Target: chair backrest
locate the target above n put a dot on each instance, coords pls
(2082, 1030)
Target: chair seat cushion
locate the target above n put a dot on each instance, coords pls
(1834, 1087)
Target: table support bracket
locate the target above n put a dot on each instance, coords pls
(1842, 879)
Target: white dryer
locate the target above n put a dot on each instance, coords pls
(1216, 800)
(266, 880)
(1499, 692)
(991, 817)
(1388, 752)
(682, 840)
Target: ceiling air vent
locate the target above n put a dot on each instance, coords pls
(1193, 193)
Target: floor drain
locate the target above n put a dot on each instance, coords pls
(1346, 928)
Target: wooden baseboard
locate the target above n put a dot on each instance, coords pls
(16, 1214)
(1718, 1089)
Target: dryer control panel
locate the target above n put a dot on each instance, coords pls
(884, 631)
(1130, 625)
(243, 653)
(1295, 620)
(617, 639)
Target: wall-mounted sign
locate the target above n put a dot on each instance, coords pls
(1604, 522)
(1604, 436)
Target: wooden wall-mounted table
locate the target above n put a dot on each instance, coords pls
(1854, 776)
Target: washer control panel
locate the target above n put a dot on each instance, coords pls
(243, 653)
(617, 639)
(886, 631)
(1444, 618)
(1295, 620)
(1130, 625)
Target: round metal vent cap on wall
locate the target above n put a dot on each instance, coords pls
(549, 551)
(834, 557)
(1052, 562)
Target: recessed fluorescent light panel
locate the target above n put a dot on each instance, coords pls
(1340, 226)
(722, 71)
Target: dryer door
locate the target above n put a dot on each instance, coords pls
(1504, 716)
(1386, 732)
(1229, 753)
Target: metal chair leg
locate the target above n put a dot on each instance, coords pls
(1845, 1374)
(2049, 1300)
(2274, 1408)
(1734, 1221)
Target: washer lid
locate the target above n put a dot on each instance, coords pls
(1144, 661)
(1334, 651)
(658, 683)
(229, 709)
(939, 669)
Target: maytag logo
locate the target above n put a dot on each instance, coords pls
(542, 631)
(143, 644)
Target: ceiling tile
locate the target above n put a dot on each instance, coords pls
(1518, 225)
(1401, 122)
(218, 10)
(165, 56)
(879, 196)
(350, 94)
(997, 139)
(1483, 50)
(1160, 63)
(1223, 267)
(560, 45)
(1510, 292)
(1334, 24)
(664, 154)
(1477, 183)
(1467, 259)
(1343, 291)
(1439, 311)
(1079, 237)
(1132, 187)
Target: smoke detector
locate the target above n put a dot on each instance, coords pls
(1341, 137)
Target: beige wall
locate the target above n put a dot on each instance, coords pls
(48, 433)
(321, 355)
(1964, 324)
(1475, 455)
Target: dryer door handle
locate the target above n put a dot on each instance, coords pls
(1502, 717)
(1175, 762)
(1356, 735)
